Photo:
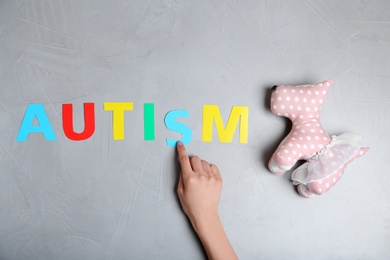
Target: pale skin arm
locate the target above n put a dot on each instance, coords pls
(199, 189)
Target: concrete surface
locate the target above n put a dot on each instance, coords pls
(106, 199)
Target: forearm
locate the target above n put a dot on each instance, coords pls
(199, 189)
(214, 239)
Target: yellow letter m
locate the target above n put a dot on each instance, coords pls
(238, 113)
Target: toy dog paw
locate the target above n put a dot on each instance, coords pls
(326, 156)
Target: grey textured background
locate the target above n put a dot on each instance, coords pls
(105, 199)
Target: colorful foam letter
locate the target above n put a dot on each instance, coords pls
(27, 127)
(148, 121)
(211, 113)
(118, 118)
(89, 122)
(171, 124)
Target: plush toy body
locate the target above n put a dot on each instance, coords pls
(327, 156)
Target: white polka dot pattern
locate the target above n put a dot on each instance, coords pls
(301, 104)
(322, 186)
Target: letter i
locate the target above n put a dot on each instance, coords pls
(149, 121)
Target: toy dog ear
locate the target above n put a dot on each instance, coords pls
(274, 87)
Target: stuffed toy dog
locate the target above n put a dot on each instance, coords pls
(326, 156)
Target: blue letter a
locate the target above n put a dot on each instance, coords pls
(27, 127)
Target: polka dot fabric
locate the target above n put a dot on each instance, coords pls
(321, 186)
(302, 105)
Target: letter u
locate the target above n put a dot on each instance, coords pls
(89, 122)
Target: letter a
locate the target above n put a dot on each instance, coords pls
(27, 127)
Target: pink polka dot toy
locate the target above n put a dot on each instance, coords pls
(326, 156)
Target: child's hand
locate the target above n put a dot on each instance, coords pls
(199, 189)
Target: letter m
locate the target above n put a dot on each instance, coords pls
(238, 114)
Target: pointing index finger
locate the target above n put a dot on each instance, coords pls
(183, 158)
